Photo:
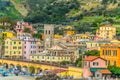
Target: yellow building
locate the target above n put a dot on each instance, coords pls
(49, 58)
(75, 72)
(82, 36)
(13, 48)
(93, 45)
(106, 32)
(111, 52)
(57, 36)
(70, 32)
(57, 54)
(8, 35)
(115, 41)
(69, 27)
(54, 54)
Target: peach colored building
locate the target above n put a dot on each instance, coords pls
(92, 64)
(20, 27)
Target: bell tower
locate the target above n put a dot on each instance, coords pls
(48, 35)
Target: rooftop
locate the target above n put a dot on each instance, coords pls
(91, 58)
(104, 71)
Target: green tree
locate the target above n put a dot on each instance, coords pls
(79, 61)
(115, 70)
(92, 53)
(7, 23)
(118, 31)
(27, 30)
(37, 35)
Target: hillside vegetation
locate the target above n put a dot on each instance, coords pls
(87, 15)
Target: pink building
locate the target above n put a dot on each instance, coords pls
(20, 27)
(31, 45)
(92, 64)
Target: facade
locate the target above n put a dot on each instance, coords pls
(20, 27)
(110, 52)
(13, 48)
(8, 34)
(95, 45)
(92, 64)
(70, 32)
(48, 35)
(103, 74)
(54, 54)
(92, 45)
(57, 53)
(31, 45)
(86, 36)
(57, 36)
(106, 32)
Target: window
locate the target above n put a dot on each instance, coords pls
(103, 52)
(42, 57)
(14, 42)
(95, 63)
(6, 47)
(24, 52)
(25, 42)
(14, 47)
(114, 52)
(10, 43)
(7, 42)
(24, 57)
(48, 57)
(19, 52)
(98, 75)
(115, 63)
(31, 46)
(31, 51)
(37, 56)
(24, 46)
(14, 52)
(19, 42)
(85, 63)
(19, 47)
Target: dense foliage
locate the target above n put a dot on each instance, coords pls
(65, 12)
(115, 71)
(53, 12)
(7, 23)
(7, 9)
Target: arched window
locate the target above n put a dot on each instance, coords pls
(49, 32)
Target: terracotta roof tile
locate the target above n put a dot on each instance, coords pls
(104, 71)
(90, 58)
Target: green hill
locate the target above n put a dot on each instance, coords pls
(81, 14)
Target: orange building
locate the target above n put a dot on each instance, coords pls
(111, 52)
